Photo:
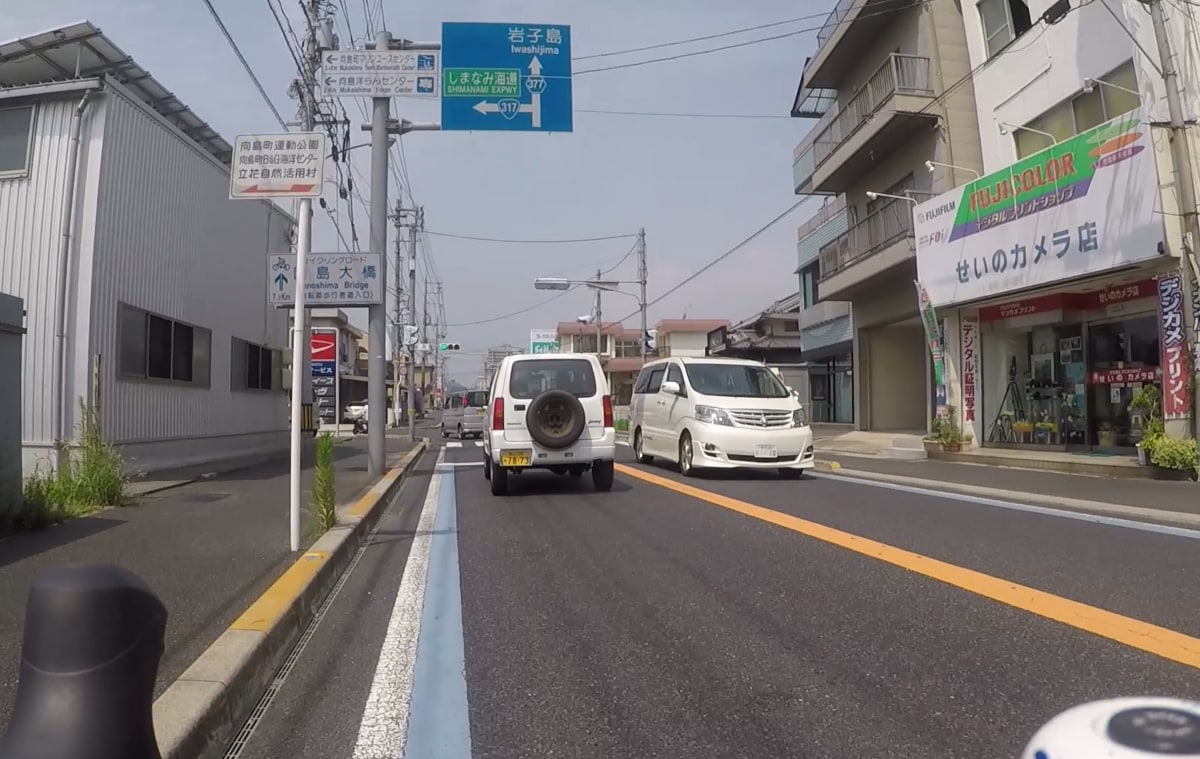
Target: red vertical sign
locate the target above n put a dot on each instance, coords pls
(1172, 334)
(323, 345)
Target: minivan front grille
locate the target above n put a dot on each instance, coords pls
(761, 418)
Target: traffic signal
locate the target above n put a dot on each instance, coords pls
(450, 346)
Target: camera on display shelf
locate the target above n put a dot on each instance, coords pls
(1121, 728)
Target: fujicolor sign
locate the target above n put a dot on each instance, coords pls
(1083, 206)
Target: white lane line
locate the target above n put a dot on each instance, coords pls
(454, 444)
(384, 727)
(1080, 516)
(478, 443)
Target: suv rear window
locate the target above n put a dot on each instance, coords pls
(531, 378)
(477, 398)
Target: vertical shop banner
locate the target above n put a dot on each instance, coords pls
(1082, 206)
(324, 346)
(968, 335)
(1176, 389)
(932, 334)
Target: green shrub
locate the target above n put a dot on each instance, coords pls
(323, 498)
(89, 477)
(1170, 453)
(621, 425)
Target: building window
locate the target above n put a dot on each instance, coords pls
(809, 276)
(16, 141)
(629, 349)
(254, 366)
(1003, 21)
(1081, 113)
(157, 348)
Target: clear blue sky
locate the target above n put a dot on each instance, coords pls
(698, 185)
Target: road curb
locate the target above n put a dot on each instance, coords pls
(1141, 513)
(199, 713)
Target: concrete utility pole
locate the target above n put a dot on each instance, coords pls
(397, 320)
(599, 320)
(377, 315)
(418, 223)
(301, 357)
(642, 297)
(1181, 156)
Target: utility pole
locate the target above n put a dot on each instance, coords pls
(599, 321)
(642, 296)
(441, 334)
(1181, 156)
(301, 356)
(419, 222)
(397, 325)
(377, 315)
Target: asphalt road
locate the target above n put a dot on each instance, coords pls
(748, 617)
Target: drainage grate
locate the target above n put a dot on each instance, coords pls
(243, 736)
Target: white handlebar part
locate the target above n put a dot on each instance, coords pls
(1121, 728)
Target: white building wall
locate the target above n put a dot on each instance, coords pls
(689, 344)
(30, 233)
(1048, 64)
(170, 241)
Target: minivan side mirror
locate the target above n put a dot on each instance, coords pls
(672, 387)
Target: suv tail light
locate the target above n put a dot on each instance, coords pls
(608, 412)
(498, 415)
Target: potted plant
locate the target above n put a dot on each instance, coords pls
(1173, 459)
(1107, 435)
(949, 434)
(1146, 404)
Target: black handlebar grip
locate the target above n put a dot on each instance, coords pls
(89, 660)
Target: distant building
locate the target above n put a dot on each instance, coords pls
(145, 285)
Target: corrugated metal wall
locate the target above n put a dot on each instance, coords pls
(170, 241)
(810, 247)
(30, 209)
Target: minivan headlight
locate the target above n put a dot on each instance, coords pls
(799, 418)
(713, 415)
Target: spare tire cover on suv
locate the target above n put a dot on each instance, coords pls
(555, 419)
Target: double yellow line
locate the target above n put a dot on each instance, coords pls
(1134, 633)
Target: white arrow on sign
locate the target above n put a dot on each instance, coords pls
(535, 84)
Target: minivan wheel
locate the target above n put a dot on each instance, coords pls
(639, 455)
(487, 467)
(685, 455)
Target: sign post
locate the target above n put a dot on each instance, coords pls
(287, 166)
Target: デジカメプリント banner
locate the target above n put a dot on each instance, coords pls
(1083, 206)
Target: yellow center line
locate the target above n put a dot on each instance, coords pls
(1135, 633)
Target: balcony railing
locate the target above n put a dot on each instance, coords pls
(832, 21)
(891, 222)
(899, 75)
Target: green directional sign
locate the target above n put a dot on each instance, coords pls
(496, 83)
(543, 341)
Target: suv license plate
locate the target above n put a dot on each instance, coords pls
(515, 458)
(766, 452)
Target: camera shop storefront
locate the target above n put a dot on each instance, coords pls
(1060, 370)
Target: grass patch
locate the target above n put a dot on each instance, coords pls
(89, 477)
(322, 506)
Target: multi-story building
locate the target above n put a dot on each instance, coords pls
(1047, 272)
(890, 84)
(145, 285)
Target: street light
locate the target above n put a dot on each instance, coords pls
(931, 164)
(551, 283)
(605, 285)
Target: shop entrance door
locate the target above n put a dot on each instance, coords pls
(1123, 356)
(1070, 356)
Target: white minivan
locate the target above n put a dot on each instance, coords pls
(550, 411)
(465, 414)
(718, 413)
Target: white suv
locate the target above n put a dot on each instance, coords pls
(549, 411)
(719, 413)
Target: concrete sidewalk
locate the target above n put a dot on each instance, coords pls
(207, 548)
(1022, 484)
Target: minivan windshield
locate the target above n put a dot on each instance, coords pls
(532, 377)
(735, 380)
(477, 399)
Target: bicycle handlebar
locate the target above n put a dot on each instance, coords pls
(94, 638)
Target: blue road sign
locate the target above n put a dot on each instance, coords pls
(506, 77)
(324, 368)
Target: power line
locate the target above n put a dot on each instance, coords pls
(526, 310)
(529, 242)
(748, 43)
(261, 90)
(723, 256)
